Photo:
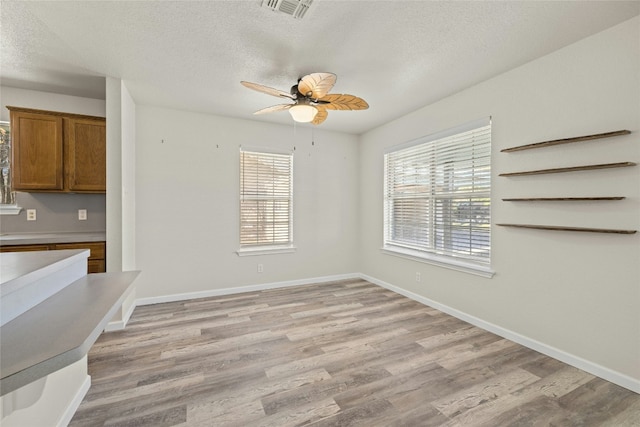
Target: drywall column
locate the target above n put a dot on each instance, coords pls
(128, 127)
(121, 213)
(121, 231)
(114, 173)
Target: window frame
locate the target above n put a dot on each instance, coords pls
(423, 248)
(270, 247)
(5, 168)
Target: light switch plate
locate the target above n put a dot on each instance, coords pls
(82, 214)
(31, 214)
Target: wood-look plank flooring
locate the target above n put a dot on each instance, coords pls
(345, 353)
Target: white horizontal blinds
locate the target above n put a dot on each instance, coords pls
(408, 193)
(437, 195)
(265, 199)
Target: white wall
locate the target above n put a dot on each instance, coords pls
(48, 101)
(187, 202)
(575, 292)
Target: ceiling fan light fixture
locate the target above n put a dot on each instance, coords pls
(311, 100)
(303, 113)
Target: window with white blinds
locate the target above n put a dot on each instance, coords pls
(266, 200)
(437, 196)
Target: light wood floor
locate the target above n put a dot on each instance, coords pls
(338, 354)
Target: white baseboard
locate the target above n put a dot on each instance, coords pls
(243, 289)
(75, 403)
(118, 325)
(570, 359)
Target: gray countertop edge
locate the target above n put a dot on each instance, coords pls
(44, 238)
(12, 354)
(32, 266)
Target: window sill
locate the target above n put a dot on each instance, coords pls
(10, 209)
(440, 261)
(266, 250)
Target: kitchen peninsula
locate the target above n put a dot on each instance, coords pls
(54, 313)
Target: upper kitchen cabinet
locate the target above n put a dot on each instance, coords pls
(57, 152)
(37, 154)
(85, 155)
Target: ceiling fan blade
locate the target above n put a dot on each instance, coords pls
(316, 85)
(344, 101)
(268, 90)
(321, 116)
(274, 108)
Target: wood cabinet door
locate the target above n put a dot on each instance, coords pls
(96, 262)
(96, 266)
(37, 152)
(86, 155)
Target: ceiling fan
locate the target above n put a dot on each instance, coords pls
(311, 99)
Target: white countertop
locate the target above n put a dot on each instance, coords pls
(7, 239)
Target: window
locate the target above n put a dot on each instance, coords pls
(7, 197)
(437, 198)
(266, 202)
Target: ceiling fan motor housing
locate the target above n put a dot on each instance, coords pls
(295, 8)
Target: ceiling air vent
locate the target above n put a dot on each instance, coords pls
(295, 8)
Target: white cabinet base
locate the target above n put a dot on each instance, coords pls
(49, 401)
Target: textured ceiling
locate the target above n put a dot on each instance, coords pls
(192, 55)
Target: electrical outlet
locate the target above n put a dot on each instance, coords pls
(260, 268)
(82, 214)
(418, 277)
(31, 214)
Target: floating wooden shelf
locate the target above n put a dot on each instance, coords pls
(566, 141)
(571, 169)
(557, 199)
(562, 228)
